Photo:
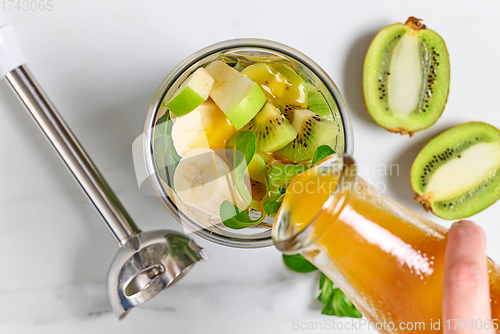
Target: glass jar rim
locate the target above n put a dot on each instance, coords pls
(264, 239)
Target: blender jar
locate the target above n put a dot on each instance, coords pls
(246, 50)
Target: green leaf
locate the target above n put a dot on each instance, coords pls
(344, 305)
(235, 218)
(336, 302)
(166, 157)
(326, 288)
(322, 152)
(272, 202)
(298, 263)
(271, 208)
(244, 142)
(281, 175)
(241, 148)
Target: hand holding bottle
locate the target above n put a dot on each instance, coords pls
(466, 291)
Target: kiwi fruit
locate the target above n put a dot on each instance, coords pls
(272, 130)
(259, 190)
(318, 105)
(457, 174)
(279, 82)
(406, 77)
(313, 131)
(316, 102)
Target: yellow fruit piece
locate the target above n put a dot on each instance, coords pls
(217, 127)
(279, 82)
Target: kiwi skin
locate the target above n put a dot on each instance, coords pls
(449, 145)
(414, 25)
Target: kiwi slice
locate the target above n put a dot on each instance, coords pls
(406, 77)
(318, 105)
(272, 129)
(259, 190)
(313, 131)
(279, 82)
(457, 174)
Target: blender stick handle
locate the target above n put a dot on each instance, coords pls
(46, 116)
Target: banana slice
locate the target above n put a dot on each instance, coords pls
(206, 126)
(203, 180)
(188, 132)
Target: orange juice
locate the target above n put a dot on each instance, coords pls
(387, 259)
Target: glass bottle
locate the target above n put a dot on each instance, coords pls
(387, 259)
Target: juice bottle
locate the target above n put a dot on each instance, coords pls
(387, 259)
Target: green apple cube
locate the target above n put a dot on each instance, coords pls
(193, 92)
(236, 95)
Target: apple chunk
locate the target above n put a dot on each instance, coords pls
(193, 92)
(236, 95)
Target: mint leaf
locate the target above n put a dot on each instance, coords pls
(272, 208)
(298, 263)
(273, 202)
(326, 288)
(240, 149)
(235, 218)
(336, 302)
(281, 175)
(166, 157)
(345, 305)
(322, 152)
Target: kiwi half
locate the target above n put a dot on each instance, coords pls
(272, 130)
(457, 174)
(313, 131)
(406, 77)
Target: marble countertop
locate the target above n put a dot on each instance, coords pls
(101, 62)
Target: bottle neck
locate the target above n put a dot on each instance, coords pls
(287, 237)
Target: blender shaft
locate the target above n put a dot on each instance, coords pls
(53, 126)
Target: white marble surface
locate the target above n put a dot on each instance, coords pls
(101, 62)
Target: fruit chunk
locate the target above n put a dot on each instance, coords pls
(259, 191)
(260, 165)
(313, 131)
(203, 180)
(406, 77)
(280, 83)
(318, 105)
(257, 169)
(206, 127)
(457, 174)
(193, 92)
(237, 96)
(272, 129)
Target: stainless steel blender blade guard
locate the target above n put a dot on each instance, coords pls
(148, 263)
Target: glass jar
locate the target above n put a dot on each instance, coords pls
(263, 50)
(387, 259)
